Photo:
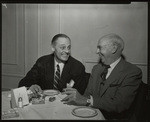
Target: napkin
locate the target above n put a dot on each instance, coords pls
(11, 113)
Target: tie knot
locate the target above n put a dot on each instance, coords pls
(58, 68)
(105, 71)
(106, 66)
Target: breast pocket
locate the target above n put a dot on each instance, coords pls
(113, 88)
(114, 85)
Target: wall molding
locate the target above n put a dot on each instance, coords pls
(9, 69)
(139, 64)
(9, 64)
(25, 39)
(85, 61)
(13, 75)
(16, 41)
(39, 30)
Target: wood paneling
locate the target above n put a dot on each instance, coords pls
(27, 30)
(13, 40)
(31, 35)
(86, 23)
(9, 36)
(48, 26)
(12, 44)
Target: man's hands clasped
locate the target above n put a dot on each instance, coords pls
(74, 97)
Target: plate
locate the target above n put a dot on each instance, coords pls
(84, 112)
(50, 92)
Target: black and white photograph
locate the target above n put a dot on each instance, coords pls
(74, 61)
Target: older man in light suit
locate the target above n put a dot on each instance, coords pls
(113, 91)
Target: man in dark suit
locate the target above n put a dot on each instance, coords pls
(71, 72)
(113, 91)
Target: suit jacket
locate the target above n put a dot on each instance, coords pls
(42, 74)
(119, 89)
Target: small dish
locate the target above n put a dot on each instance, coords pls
(84, 112)
(50, 92)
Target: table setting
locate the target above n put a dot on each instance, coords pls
(47, 106)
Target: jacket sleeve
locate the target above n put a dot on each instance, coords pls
(33, 76)
(80, 78)
(123, 95)
(89, 88)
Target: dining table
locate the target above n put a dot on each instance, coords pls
(55, 110)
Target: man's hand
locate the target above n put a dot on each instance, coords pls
(35, 89)
(73, 97)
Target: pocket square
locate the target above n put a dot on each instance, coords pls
(70, 85)
(113, 85)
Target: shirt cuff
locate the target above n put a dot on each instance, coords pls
(91, 100)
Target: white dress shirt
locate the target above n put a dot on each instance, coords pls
(61, 65)
(112, 66)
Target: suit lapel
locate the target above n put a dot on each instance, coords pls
(50, 70)
(65, 73)
(112, 77)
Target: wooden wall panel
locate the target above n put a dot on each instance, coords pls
(28, 35)
(48, 26)
(10, 81)
(12, 44)
(9, 37)
(86, 23)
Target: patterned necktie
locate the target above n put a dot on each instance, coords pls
(104, 73)
(57, 78)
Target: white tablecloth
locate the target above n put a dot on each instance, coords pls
(55, 110)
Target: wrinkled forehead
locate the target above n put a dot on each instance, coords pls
(63, 41)
(104, 42)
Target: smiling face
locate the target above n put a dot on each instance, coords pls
(110, 48)
(104, 49)
(62, 49)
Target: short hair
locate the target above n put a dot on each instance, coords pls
(115, 39)
(55, 38)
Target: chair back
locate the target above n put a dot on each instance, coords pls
(138, 109)
(136, 112)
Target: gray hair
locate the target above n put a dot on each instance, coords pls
(115, 40)
(55, 38)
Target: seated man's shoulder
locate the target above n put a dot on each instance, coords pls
(45, 58)
(97, 67)
(75, 62)
(132, 67)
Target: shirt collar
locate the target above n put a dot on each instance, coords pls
(61, 65)
(115, 63)
(58, 63)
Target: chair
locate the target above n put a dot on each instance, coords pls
(139, 107)
(137, 112)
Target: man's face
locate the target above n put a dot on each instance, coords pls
(104, 51)
(62, 49)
